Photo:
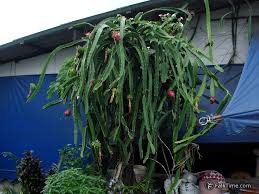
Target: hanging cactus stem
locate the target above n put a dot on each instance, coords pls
(131, 79)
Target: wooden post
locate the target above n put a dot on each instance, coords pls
(118, 172)
(217, 118)
(256, 152)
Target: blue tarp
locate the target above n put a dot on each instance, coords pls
(222, 133)
(243, 109)
(240, 121)
(26, 126)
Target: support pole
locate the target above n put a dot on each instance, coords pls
(256, 153)
(217, 118)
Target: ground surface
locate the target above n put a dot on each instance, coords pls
(7, 184)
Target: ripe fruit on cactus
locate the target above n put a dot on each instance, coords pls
(67, 113)
(212, 99)
(116, 36)
(88, 34)
(171, 94)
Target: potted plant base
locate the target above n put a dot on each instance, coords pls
(140, 172)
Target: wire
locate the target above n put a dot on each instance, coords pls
(195, 28)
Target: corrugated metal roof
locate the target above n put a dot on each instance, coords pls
(45, 41)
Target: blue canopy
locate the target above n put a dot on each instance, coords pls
(240, 119)
(243, 108)
(26, 126)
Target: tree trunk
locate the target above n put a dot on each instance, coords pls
(128, 176)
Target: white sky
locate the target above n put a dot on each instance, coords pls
(19, 18)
